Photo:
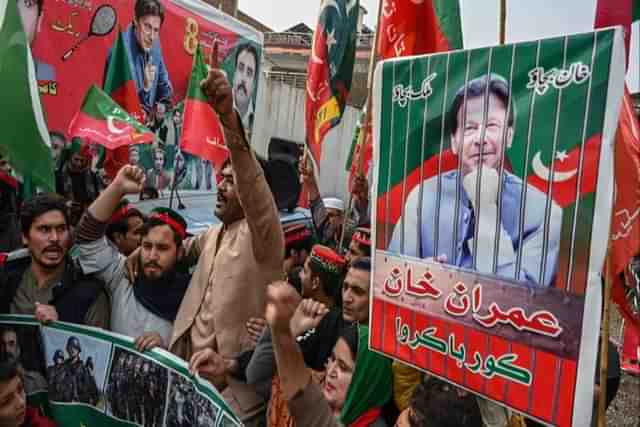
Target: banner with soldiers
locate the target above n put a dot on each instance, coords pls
(80, 375)
(493, 186)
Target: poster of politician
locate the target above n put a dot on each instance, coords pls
(493, 194)
(141, 53)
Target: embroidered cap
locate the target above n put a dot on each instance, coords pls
(333, 203)
(327, 259)
(362, 235)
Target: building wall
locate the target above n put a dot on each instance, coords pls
(230, 7)
(280, 113)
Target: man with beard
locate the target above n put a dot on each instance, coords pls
(56, 376)
(49, 284)
(81, 385)
(237, 259)
(9, 345)
(147, 308)
(244, 77)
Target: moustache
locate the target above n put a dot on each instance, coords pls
(152, 264)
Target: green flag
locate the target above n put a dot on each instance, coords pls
(25, 142)
(103, 121)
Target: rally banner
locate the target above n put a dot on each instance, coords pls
(493, 184)
(72, 43)
(83, 376)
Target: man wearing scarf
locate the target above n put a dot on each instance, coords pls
(148, 307)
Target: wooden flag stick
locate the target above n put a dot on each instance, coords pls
(604, 345)
(361, 142)
(503, 21)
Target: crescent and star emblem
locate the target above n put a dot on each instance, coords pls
(112, 126)
(544, 172)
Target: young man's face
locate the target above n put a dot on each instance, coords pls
(13, 402)
(228, 207)
(57, 144)
(243, 79)
(130, 241)
(29, 14)
(158, 160)
(469, 142)
(355, 251)
(355, 296)
(73, 351)
(48, 239)
(159, 252)
(9, 344)
(147, 30)
(134, 155)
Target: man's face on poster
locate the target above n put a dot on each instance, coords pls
(147, 30)
(475, 139)
(30, 15)
(134, 155)
(243, 79)
(9, 343)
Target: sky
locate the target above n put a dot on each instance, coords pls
(547, 18)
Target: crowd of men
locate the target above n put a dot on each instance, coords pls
(281, 352)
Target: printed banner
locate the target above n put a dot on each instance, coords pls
(72, 41)
(494, 182)
(82, 376)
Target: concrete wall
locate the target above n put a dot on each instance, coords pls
(280, 113)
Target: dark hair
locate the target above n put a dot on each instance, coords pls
(40, 205)
(122, 225)
(293, 277)
(40, 4)
(437, 404)
(299, 245)
(156, 222)
(362, 263)
(365, 249)
(149, 7)
(9, 367)
(349, 333)
(494, 83)
(57, 134)
(248, 47)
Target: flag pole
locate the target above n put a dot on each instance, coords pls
(359, 144)
(604, 345)
(503, 21)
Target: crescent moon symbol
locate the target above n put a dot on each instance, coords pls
(543, 172)
(112, 126)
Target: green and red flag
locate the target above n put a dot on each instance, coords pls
(25, 140)
(104, 122)
(330, 70)
(120, 86)
(202, 133)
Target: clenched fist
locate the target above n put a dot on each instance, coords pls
(130, 179)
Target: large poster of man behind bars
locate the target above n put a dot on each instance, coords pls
(494, 189)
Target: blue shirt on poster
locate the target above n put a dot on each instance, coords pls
(420, 239)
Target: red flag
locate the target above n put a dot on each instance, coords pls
(202, 133)
(417, 28)
(625, 227)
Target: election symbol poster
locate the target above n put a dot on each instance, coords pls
(74, 42)
(83, 376)
(493, 188)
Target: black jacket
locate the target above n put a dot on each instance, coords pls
(72, 298)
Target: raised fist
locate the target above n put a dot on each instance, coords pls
(130, 179)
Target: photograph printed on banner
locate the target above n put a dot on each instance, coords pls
(23, 343)
(187, 407)
(493, 199)
(76, 367)
(136, 388)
